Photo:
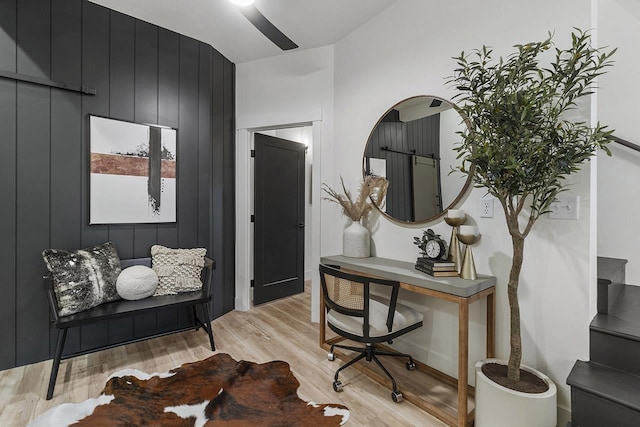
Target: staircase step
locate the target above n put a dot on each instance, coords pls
(601, 396)
(615, 337)
(611, 276)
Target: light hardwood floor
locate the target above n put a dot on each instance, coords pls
(280, 330)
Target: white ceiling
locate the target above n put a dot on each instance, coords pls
(309, 23)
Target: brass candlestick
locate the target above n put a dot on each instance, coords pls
(454, 246)
(468, 235)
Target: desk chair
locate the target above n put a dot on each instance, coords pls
(356, 314)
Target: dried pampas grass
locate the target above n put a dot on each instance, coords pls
(373, 188)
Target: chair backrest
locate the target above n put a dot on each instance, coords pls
(349, 294)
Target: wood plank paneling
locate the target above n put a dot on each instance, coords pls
(33, 32)
(121, 106)
(188, 144)
(168, 108)
(8, 224)
(146, 111)
(32, 178)
(217, 194)
(204, 149)
(32, 220)
(95, 74)
(8, 35)
(66, 125)
(66, 135)
(227, 263)
(8, 187)
(141, 73)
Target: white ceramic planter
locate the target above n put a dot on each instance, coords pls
(356, 241)
(498, 406)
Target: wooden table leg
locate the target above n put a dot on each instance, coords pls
(491, 325)
(463, 360)
(322, 326)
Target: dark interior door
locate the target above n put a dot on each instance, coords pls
(279, 218)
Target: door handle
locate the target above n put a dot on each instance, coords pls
(301, 225)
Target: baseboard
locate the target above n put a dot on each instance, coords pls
(564, 417)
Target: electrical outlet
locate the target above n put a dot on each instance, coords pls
(486, 207)
(566, 207)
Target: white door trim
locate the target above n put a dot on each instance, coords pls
(244, 191)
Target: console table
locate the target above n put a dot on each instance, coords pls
(453, 289)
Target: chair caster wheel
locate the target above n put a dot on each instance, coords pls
(396, 396)
(411, 366)
(331, 357)
(337, 386)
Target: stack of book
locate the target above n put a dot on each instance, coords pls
(437, 267)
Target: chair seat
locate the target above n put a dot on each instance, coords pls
(378, 309)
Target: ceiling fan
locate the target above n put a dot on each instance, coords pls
(265, 26)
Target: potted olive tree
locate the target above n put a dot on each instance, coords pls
(522, 144)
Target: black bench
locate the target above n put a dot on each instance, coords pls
(125, 308)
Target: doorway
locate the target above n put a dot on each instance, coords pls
(288, 129)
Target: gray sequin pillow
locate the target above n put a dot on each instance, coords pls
(178, 270)
(84, 278)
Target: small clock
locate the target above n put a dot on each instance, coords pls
(435, 249)
(431, 245)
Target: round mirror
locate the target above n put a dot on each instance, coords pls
(412, 146)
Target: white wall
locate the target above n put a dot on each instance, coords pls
(619, 175)
(406, 51)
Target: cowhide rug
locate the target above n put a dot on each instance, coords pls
(217, 391)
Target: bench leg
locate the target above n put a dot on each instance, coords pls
(195, 317)
(62, 336)
(207, 319)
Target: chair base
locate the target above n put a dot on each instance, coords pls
(370, 353)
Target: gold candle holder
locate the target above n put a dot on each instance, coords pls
(468, 235)
(456, 219)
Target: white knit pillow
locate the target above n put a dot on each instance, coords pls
(137, 282)
(178, 270)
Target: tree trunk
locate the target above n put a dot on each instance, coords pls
(514, 307)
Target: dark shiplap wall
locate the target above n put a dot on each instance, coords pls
(423, 136)
(141, 73)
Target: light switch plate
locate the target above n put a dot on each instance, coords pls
(565, 207)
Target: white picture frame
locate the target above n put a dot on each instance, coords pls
(132, 172)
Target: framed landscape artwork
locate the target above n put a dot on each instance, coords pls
(132, 172)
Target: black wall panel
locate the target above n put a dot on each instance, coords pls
(8, 185)
(217, 162)
(32, 178)
(66, 133)
(227, 258)
(141, 73)
(146, 111)
(169, 106)
(32, 221)
(188, 151)
(95, 74)
(121, 106)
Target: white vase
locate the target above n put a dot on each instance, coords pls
(498, 406)
(356, 241)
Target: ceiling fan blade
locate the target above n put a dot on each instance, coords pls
(267, 28)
